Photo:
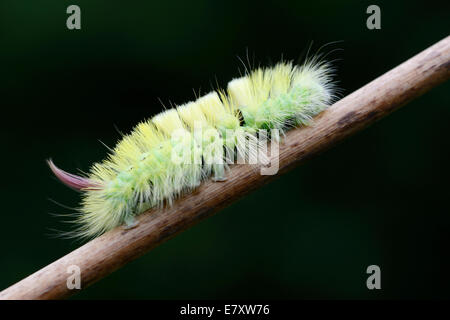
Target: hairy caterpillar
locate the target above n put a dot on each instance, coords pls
(140, 172)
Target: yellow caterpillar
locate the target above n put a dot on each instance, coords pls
(176, 150)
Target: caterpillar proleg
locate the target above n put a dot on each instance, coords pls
(173, 152)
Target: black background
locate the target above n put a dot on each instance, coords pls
(379, 198)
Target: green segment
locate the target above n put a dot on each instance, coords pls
(299, 105)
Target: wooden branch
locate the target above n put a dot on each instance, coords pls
(105, 254)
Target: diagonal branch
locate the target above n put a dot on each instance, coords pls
(116, 248)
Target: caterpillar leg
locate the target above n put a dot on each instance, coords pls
(130, 223)
(219, 173)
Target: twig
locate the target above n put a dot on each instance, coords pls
(116, 248)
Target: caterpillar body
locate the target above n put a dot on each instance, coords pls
(140, 172)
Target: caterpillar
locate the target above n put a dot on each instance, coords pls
(175, 150)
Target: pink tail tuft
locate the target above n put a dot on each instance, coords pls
(71, 180)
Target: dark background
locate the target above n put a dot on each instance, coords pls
(380, 197)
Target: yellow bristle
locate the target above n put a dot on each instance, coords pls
(168, 122)
(101, 173)
(239, 91)
(126, 153)
(191, 113)
(212, 107)
(148, 135)
(228, 103)
(261, 81)
(281, 76)
(251, 91)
